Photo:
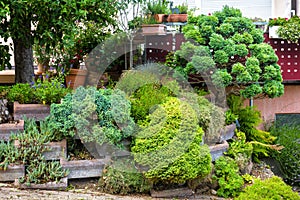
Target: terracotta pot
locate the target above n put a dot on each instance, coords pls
(76, 78)
(177, 18)
(160, 18)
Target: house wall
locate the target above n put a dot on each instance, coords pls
(288, 103)
(2, 42)
(255, 8)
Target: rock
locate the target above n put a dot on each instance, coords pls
(213, 192)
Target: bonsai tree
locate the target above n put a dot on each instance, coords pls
(228, 50)
(53, 22)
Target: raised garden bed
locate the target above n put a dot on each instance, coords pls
(57, 150)
(7, 129)
(36, 111)
(12, 172)
(173, 193)
(61, 185)
(84, 168)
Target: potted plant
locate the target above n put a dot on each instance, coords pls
(42, 58)
(156, 12)
(274, 25)
(71, 57)
(181, 16)
(290, 30)
(158, 9)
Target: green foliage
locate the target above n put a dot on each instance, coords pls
(289, 29)
(240, 150)
(277, 21)
(273, 88)
(122, 177)
(228, 177)
(23, 93)
(133, 80)
(230, 117)
(50, 90)
(221, 78)
(233, 39)
(272, 188)
(42, 172)
(227, 12)
(5, 57)
(145, 98)
(202, 63)
(28, 151)
(78, 113)
(169, 144)
(251, 90)
(157, 7)
(249, 118)
(43, 92)
(221, 57)
(289, 157)
(211, 119)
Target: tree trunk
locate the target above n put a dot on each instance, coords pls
(23, 57)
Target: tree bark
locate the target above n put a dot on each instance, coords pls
(23, 56)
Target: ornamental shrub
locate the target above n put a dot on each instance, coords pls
(145, 98)
(95, 115)
(270, 189)
(228, 177)
(168, 144)
(289, 157)
(122, 177)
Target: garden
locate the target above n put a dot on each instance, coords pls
(175, 129)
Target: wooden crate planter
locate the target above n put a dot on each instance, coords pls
(8, 129)
(36, 111)
(57, 150)
(12, 172)
(84, 168)
(61, 185)
(227, 133)
(154, 29)
(218, 150)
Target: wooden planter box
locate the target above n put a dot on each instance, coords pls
(12, 172)
(84, 168)
(8, 129)
(61, 185)
(227, 133)
(36, 111)
(218, 150)
(154, 29)
(57, 150)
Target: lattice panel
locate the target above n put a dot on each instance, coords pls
(289, 57)
(157, 47)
